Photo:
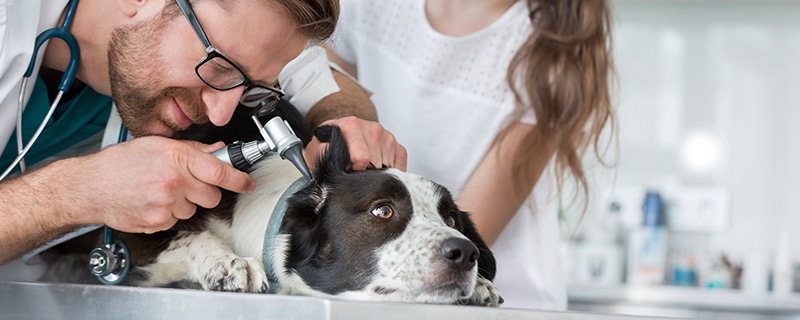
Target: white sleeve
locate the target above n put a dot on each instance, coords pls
(308, 79)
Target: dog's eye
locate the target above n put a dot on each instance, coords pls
(451, 222)
(383, 212)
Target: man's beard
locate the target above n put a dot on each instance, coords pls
(135, 67)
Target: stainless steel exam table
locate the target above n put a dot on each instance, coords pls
(30, 300)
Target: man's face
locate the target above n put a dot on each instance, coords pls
(151, 63)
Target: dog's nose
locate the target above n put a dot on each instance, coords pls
(460, 253)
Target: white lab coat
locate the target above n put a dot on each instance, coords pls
(20, 22)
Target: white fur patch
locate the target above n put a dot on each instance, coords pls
(253, 210)
(204, 258)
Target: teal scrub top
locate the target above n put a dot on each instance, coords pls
(73, 121)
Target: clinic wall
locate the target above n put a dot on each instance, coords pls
(732, 67)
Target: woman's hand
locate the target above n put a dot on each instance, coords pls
(370, 145)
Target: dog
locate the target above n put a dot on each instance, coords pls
(376, 235)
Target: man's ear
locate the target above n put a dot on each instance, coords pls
(132, 8)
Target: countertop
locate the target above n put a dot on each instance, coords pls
(685, 297)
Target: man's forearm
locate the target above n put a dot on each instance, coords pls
(28, 213)
(351, 100)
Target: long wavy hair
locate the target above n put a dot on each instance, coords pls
(563, 72)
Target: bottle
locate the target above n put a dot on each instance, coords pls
(783, 270)
(755, 276)
(683, 269)
(647, 244)
(599, 255)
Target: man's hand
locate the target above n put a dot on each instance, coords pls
(148, 184)
(370, 145)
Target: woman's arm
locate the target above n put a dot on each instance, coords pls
(490, 194)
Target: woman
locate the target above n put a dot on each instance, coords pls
(497, 101)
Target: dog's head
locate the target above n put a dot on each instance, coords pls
(381, 234)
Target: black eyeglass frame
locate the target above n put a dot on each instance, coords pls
(212, 52)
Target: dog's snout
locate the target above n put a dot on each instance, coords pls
(460, 253)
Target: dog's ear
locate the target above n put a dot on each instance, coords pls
(335, 160)
(303, 222)
(486, 263)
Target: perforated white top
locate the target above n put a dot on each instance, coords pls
(445, 99)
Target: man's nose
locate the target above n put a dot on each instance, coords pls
(221, 104)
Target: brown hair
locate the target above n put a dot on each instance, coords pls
(562, 72)
(316, 19)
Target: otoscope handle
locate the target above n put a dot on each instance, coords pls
(242, 155)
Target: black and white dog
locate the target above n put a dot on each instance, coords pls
(380, 234)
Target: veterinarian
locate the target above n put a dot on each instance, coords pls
(143, 53)
(496, 100)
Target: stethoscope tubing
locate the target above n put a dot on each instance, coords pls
(108, 232)
(20, 145)
(38, 132)
(61, 32)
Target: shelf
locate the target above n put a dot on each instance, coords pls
(684, 297)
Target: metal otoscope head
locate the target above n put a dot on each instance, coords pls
(295, 155)
(281, 139)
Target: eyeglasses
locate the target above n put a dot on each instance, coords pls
(220, 73)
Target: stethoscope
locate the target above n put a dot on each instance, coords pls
(110, 262)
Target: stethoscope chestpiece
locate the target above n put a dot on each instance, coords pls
(110, 263)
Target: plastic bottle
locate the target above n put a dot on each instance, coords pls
(783, 269)
(647, 244)
(599, 256)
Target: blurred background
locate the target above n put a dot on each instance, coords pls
(700, 215)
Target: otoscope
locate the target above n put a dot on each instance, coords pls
(278, 137)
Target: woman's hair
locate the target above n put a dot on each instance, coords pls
(562, 72)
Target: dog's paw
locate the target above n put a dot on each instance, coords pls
(235, 274)
(485, 294)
